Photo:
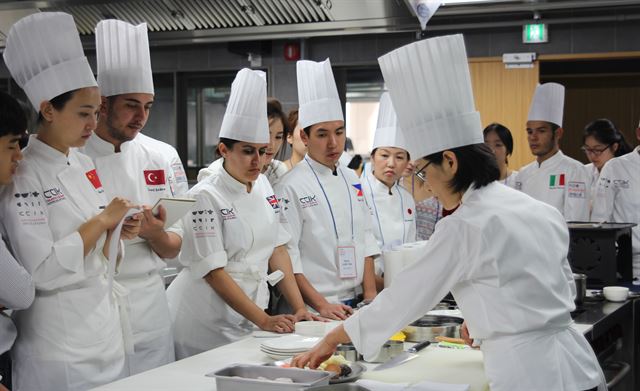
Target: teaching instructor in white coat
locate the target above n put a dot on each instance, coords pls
(516, 294)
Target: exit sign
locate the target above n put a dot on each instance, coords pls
(535, 33)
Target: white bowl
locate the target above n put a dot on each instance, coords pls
(615, 293)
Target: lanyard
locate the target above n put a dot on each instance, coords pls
(375, 208)
(333, 219)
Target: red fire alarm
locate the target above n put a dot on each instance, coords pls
(292, 51)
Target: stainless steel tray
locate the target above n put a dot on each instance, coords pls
(245, 377)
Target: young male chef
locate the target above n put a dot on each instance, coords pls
(332, 244)
(130, 169)
(617, 197)
(553, 177)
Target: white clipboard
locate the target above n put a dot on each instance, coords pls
(175, 208)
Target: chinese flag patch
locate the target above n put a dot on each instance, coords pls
(154, 177)
(94, 178)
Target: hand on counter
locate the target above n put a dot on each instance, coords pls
(304, 314)
(279, 323)
(335, 311)
(464, 334)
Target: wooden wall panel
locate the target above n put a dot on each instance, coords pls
(503, 95)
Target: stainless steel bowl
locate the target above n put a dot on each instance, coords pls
(349, 352)
(581, 287)
(429, 327)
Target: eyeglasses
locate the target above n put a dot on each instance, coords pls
(594, 151)
(420, 174)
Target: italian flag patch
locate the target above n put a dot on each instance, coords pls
(556, 181)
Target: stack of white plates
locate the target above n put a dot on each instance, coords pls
(287, 346)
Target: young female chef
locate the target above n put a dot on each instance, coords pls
(499, 139)
(70, 338)
(298, 149)
(392, 207)
(233, 237)
(518, 306)
(278, 131)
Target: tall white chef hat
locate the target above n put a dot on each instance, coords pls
(547, 104)
(387, 130)
(245, 118)
(124, 64)
(44, 56)
(317, 93)
(430, 87)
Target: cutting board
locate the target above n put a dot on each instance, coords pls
(438, 365)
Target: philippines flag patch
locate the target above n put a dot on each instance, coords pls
(273, 201)
(358, 188)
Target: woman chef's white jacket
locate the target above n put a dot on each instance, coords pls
(392, 214)
(313, 248)
(617, 198)
(559, 181)
(228, 228)
(503, 255)
(142, 176)
(70, 338)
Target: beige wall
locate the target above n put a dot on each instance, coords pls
(503, 95)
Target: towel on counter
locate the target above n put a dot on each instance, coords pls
(426, 385)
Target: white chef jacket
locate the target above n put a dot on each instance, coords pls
(308, 218)
(70, 338)
(594, 174)
(559, 181)
(274, 172)
(170, 154)
(510, 180)
(517, 305)
(16, 293)
(617, 197)
(392, 214)
(141, 175)
(228, 228)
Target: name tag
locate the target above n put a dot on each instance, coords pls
(347, 262)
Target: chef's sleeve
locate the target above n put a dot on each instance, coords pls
(180, 176)
(291, 220)
(576, 195)
(202, 241)
(52, 263)
(371, 247)
(417, 289)
(605, 194)
(16, 286)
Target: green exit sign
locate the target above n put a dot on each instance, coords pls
(535, 33)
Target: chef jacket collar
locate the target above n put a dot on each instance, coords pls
(105, 148)
(377, 185)
(49, 153)
(552, 160)
(234, 185)
(320, 168)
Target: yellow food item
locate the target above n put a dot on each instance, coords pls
(335, 359)
(399, 336)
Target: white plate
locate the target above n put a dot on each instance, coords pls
(279, 356)
(292, 342)
(282, 353)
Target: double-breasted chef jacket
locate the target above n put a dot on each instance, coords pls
(141, 175)
(231, 229)
(560, 181)
(503, 256)
(393, 214)
(71, 337)
(313, 199)
(617, 198)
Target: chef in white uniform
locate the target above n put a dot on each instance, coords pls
(71, 337)
(332, 244)
(233, 237)
(616, 197)
(169, 153)
(519, 307)
(139, 173)
(553, 177)
(16, 286)
(392, 207)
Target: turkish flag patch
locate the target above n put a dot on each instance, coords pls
(94, 178)
(154, 177)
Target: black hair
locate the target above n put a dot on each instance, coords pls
(307, 130)
(605, 132)
(228, 142)
(408, 154)
(553, 127)
(274, 111)
(504, 134)
(292, 119)
(13, 117)
(476, 165)
(58, 103)
(355, 162)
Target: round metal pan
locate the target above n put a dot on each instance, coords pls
(429, 327)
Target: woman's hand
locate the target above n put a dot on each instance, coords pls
(279, 323)
(131, 227)
(115, 211)
(316, 356)
(335, 311)
(464, 334)
(303, 314)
